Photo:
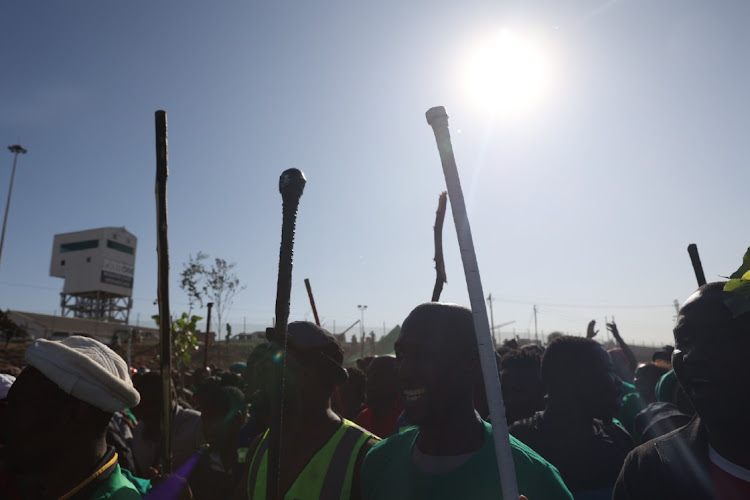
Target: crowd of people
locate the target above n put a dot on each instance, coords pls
(585, 423)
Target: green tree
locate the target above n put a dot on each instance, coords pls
(184, 339)
(215, 282)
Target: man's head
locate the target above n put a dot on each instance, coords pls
(382, 386)
(646, 377)
(149, 386)
(438, 362)
(65, 398)
(315, 357)
(199, 375)
(313, 367)
(352, 393)
(578, 373)
(711, 358)
(521, 380)
(223, 414)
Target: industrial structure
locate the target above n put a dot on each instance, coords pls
(98, 266)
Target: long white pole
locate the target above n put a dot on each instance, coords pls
(438, 120)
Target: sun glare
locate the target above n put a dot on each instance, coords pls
(506, 74)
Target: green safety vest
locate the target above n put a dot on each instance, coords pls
(328, 474)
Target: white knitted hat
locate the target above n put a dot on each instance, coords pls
(87, 370)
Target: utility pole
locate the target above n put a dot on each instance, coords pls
(362, 326)
(492, 320)
(16, 149)
(676, 309)
(536, 332)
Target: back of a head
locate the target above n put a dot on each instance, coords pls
(578, 370)
(646, 377)
(522, 359)
(224, 401)
(522, 388)
(352, 394)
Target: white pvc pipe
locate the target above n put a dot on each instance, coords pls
(438, 120)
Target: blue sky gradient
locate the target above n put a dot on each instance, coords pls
(584, 206)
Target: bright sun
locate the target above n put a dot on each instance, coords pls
(507, 74)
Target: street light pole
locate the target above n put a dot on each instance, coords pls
(362, 325)
(16, 150)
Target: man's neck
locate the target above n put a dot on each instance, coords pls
(68, 469)
(452, 433)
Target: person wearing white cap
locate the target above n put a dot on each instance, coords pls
(58, 411)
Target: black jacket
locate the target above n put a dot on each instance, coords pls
(673, 466)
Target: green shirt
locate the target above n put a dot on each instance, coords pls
(116, 487)
(389, 473)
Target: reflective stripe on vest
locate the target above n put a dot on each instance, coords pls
(337, 482)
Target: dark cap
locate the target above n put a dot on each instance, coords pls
(309, 342)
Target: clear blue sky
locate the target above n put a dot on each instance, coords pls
(584, 206)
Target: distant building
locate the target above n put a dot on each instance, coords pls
(98, 266)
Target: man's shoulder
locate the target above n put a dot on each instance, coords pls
(395, 443)
(686, 439)
(523, 455)
(536, 477)
(678, 459)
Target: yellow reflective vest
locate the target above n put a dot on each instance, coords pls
(327, 476)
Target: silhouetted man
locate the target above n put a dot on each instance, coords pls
(521, 379)
(224, 413)
(57, 415)
(383, 398)
(321, 452)
(709, 457)
(450, 454)
(574, 432)
(187, 430)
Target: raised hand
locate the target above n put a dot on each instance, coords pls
(612, 327)
(590, 332)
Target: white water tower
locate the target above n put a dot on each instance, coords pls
(98, 266)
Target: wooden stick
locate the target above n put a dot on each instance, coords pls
(438, 120)
(697, 266)
(291, 186)
(440, 277)
(312, 301)
(165, 322)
